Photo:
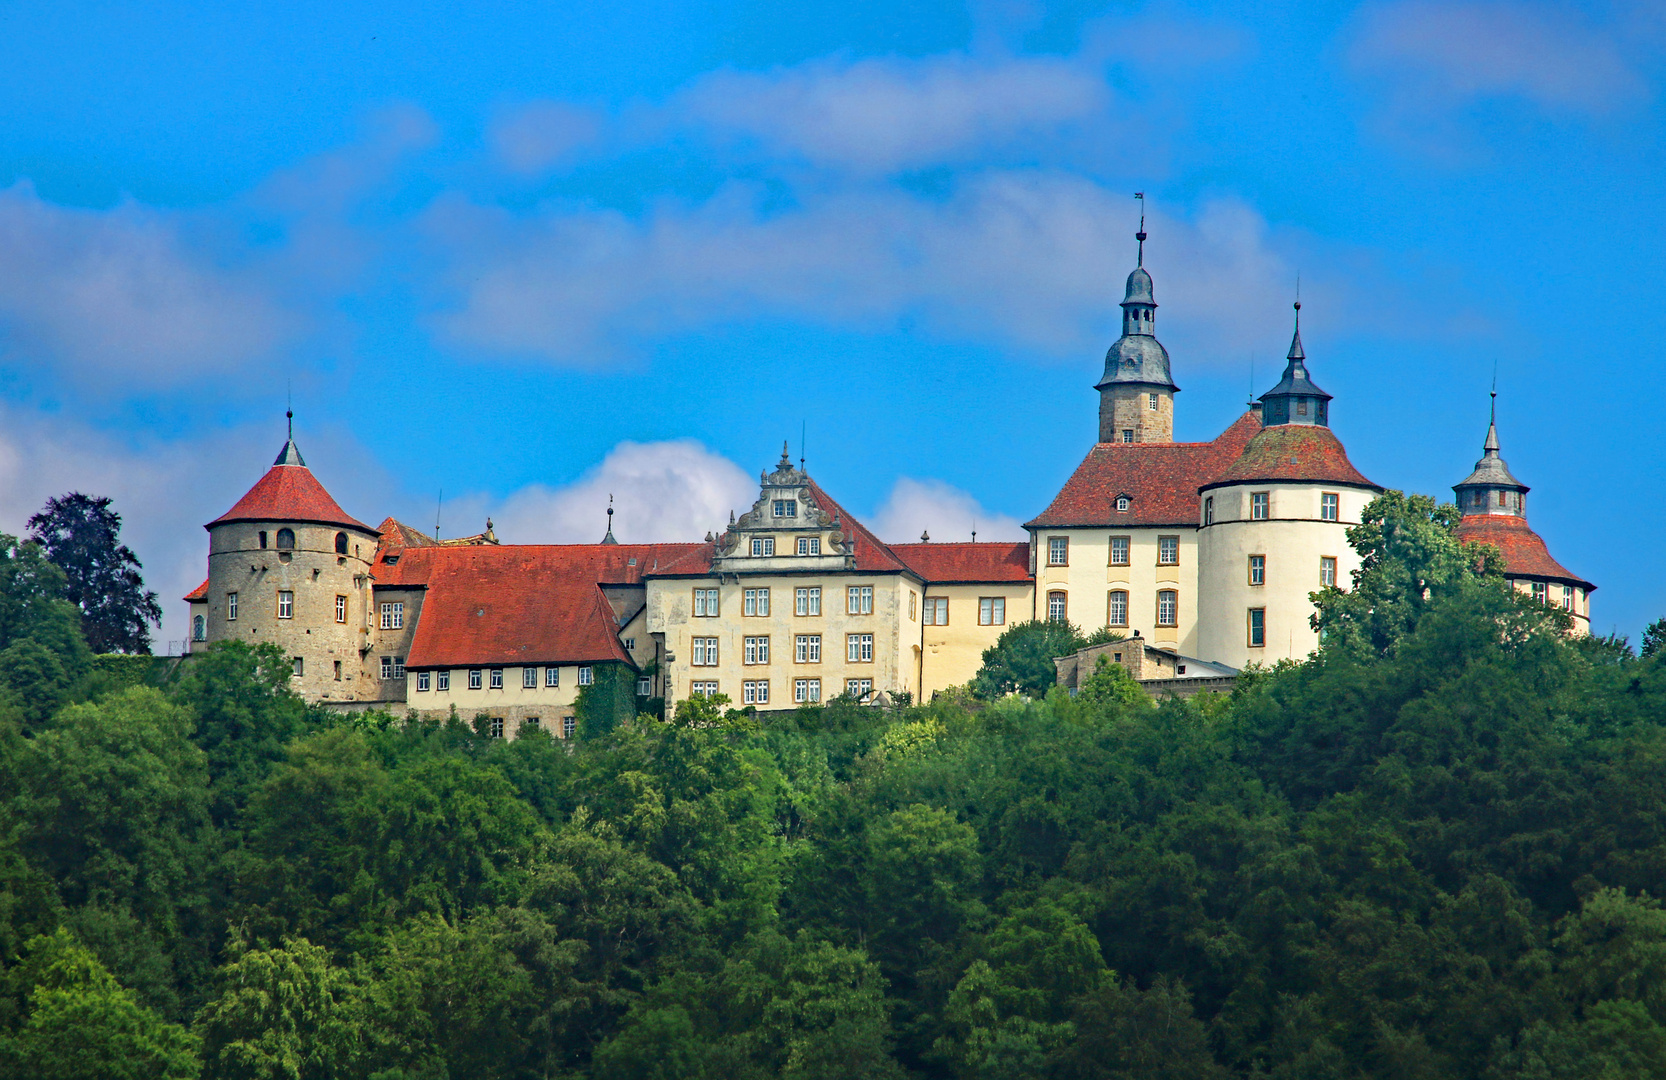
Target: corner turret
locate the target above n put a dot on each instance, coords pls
(1136, 393)
(1296, 399)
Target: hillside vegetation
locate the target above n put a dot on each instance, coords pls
(1433, 851)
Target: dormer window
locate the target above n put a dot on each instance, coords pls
(809, 545)
(763, 545)
(1122, 504)
(784, 508)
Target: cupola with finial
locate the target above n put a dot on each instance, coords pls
(1296, 399)
(1491, 488)
(1136, 393)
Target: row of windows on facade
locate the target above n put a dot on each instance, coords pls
(393, 667)
(393, 615)
(494, 725)
(806, 601)
(765, 545)
(1507, 500)
(1330, 507)
(1168, 607)
(1168, 550)
(755, 650)
(756, 691)
(286, 541)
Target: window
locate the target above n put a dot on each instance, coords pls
(705, 652)
(299, 667)
(1119, 551)
(1058, 551)
(630, 644)
(1168, 607)
(859, 600)
(474, 678)
(399, 667)
(807, 601)
(1567, 598)
(1258, 569)
(1122, 504)
(231, 607)
(442, 680)
(756, 602)
(586, 676)
(763, 545)
(1208, 509)
(552, 676)
(1540, 591)
(937, 611)
(393, 616)
(754, 692)
(757, 650)
(706, 688)
(1127, 435)
(1168, 551)
(1301, 406)
(529, 678)
(496, 728)
(992, 611)
(705, 603)
(341, 543)
(858, 688)
(286, 539)
(422, 681)
(784, 508)
(569, 725)
(809, 545)
(341, 608)
(1257, 627)
(645, 686)
(286, 604)
(859, 648)
(1258, 506)
(263, 539)
(199, 628)
(1327, 571)
(497, 679)
(807, 649)
(530, 722)
(1328, 505)
(1117, 610)
(806, 690)
(1153, 403)
(338, 674)
(1056, 607)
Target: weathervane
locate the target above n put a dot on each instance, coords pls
(1140, 236)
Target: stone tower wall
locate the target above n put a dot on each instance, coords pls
(1129, 407)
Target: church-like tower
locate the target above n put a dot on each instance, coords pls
(1494, 505)
(1136, 394)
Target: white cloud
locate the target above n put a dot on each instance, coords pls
(122, 297)
(663, 492)
(537, 136)
(946, 512)
(1441, 55)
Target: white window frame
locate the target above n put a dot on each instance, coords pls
(1058, 551)
(1058, 606)
(937, 611)
(756, 649)
(1567, 598)
(1330, 506)
(1168, 551)
(992, 611)
(784, 508)
(806, 691)
(495, 731)
(393, 615)
(1258, 569)
(809, 545)
(475, 675)
(495, 680)
(586, 675)
(286, 604)
(1170, 597)
(1127, 435)
(341, 608)
(755, 603)
(858, 648)
(859, 600)
(1541, 592)
(1116, 608)
(1153, 405)
(706, 603)
(645, 686)
(858, 688)
(399, 667)
(529, 678)
(569, 726)
(1261, 506)
(552, 676)
(1122, 504)
(807, 649)
(387, 667)
(763, 546)
(754, 692)
(807, 600)
(231, 606)
(704, 651)
(422, 681)
(1327, 570)
(1125, 546)
(442, 680)
(1208, 509)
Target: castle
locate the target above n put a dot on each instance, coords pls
(1206, 551)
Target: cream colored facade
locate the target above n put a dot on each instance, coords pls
(502, 695)
(1292, 544)
(950, 654)
(1090, 576)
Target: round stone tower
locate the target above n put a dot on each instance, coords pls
(1273, 527)
(1136, 394)
(287, 565)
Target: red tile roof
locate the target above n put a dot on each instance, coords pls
(1302, 452)
(1525, 554)
(289, 493)
(1161, 480)
(199, 593)
(599, 564)
(507, 605)
(396, 533)
(949, 563)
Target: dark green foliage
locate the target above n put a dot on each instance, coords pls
(82, 537)
(608, 701)
(42, 653)
(1021, 660)
(1654, 638)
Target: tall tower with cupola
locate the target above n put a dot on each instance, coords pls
(1136, 394)
(287, 565)
(1273, 527)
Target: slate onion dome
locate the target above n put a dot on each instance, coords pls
(1492, 488)
(1296, 399)
(1138, 358)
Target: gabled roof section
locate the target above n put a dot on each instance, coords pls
(1525, 554)
(873, 555)
(947, 564)
(199, 594)
(597, 564)
(289, 493)
(398, 534)
(1299, 452)
(1161, 480)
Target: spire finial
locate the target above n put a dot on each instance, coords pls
(290, 416)
(608, 538)
(1296, 352)
(1140, 236)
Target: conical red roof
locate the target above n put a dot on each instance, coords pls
(289, 492)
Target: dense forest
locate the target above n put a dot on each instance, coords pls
(1434, 850)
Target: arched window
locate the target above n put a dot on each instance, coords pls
(1056, 606)
(1117, 613)
(341, 543)
(199, 629)
(286, 539)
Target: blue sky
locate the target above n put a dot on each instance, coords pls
(531, 254)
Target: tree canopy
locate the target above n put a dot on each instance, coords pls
(81, 536)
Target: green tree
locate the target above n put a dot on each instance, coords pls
(82, 537)
(1021, 659)
(78, 1022)
(285, 1013)
(1654, 638)
(42, 652)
